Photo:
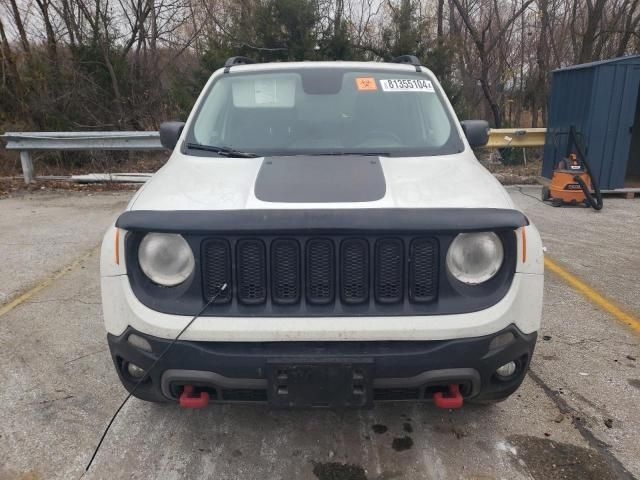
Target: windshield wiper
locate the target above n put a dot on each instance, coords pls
(362, 154)
(224, 151)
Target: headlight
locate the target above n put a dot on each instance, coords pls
(474, 258)
(166, 258)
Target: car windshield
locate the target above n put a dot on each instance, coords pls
(323, 111)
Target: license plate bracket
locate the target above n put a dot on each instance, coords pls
(329, 384)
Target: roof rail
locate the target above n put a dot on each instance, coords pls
(231, 61)
(408, 59)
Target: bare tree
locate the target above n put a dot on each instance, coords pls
(52, 48)
(485, 42)
(129, 63)
(17, 19)
(8, 61)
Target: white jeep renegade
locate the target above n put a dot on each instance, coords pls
(340, 240)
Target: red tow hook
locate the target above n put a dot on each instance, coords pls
(452, 400)
(189, 400)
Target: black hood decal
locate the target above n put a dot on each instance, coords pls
(320, 179)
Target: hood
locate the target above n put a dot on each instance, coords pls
(213, 183)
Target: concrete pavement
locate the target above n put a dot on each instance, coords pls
(42, 233)
(575, 417)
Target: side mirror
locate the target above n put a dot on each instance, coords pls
(476, 131)
(170, 133)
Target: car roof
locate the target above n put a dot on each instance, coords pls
(257, 67)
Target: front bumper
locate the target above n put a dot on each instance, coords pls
(394, 370)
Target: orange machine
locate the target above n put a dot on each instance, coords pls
(572, 183)
(564, 188)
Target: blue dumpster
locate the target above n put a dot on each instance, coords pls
(602, 100)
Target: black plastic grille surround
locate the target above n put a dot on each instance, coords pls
(296, 274)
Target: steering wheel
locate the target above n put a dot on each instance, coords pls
(377, 135)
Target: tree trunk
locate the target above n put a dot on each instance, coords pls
(542, 55)
(488, 95)
(589, 37)
(114, 85)
(154, 30)
(440, 20)
(630, 27)
(9, 60)
(20, 26)
(70, 22)
(51, 36)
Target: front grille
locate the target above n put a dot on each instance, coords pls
(320, 266)
(423, 276)
(216, 261)
(321, 271)
(285, 271)
(252, 271)
(389, 279)
(354, 269)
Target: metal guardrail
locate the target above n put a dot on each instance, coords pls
(27, 142)
(516, 137)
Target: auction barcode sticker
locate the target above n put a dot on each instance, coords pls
(407, 85)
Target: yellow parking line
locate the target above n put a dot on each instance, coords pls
(592, 295)
(4, 309)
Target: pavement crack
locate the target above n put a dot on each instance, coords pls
(85, 356)
(50, 400)
(582, 341)
(577, 420)
(586, 341)
(602, 411)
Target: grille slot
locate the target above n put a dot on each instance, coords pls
(423, 273)
(389, 270)
(320, 266)
(354, 264)
(244, 395)
(285, 271)
(396, 394)
(252, 281)
(216, 263)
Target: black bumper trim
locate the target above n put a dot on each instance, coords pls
(397, 366)
(433, 377)
(340, 221)
(172, 376)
